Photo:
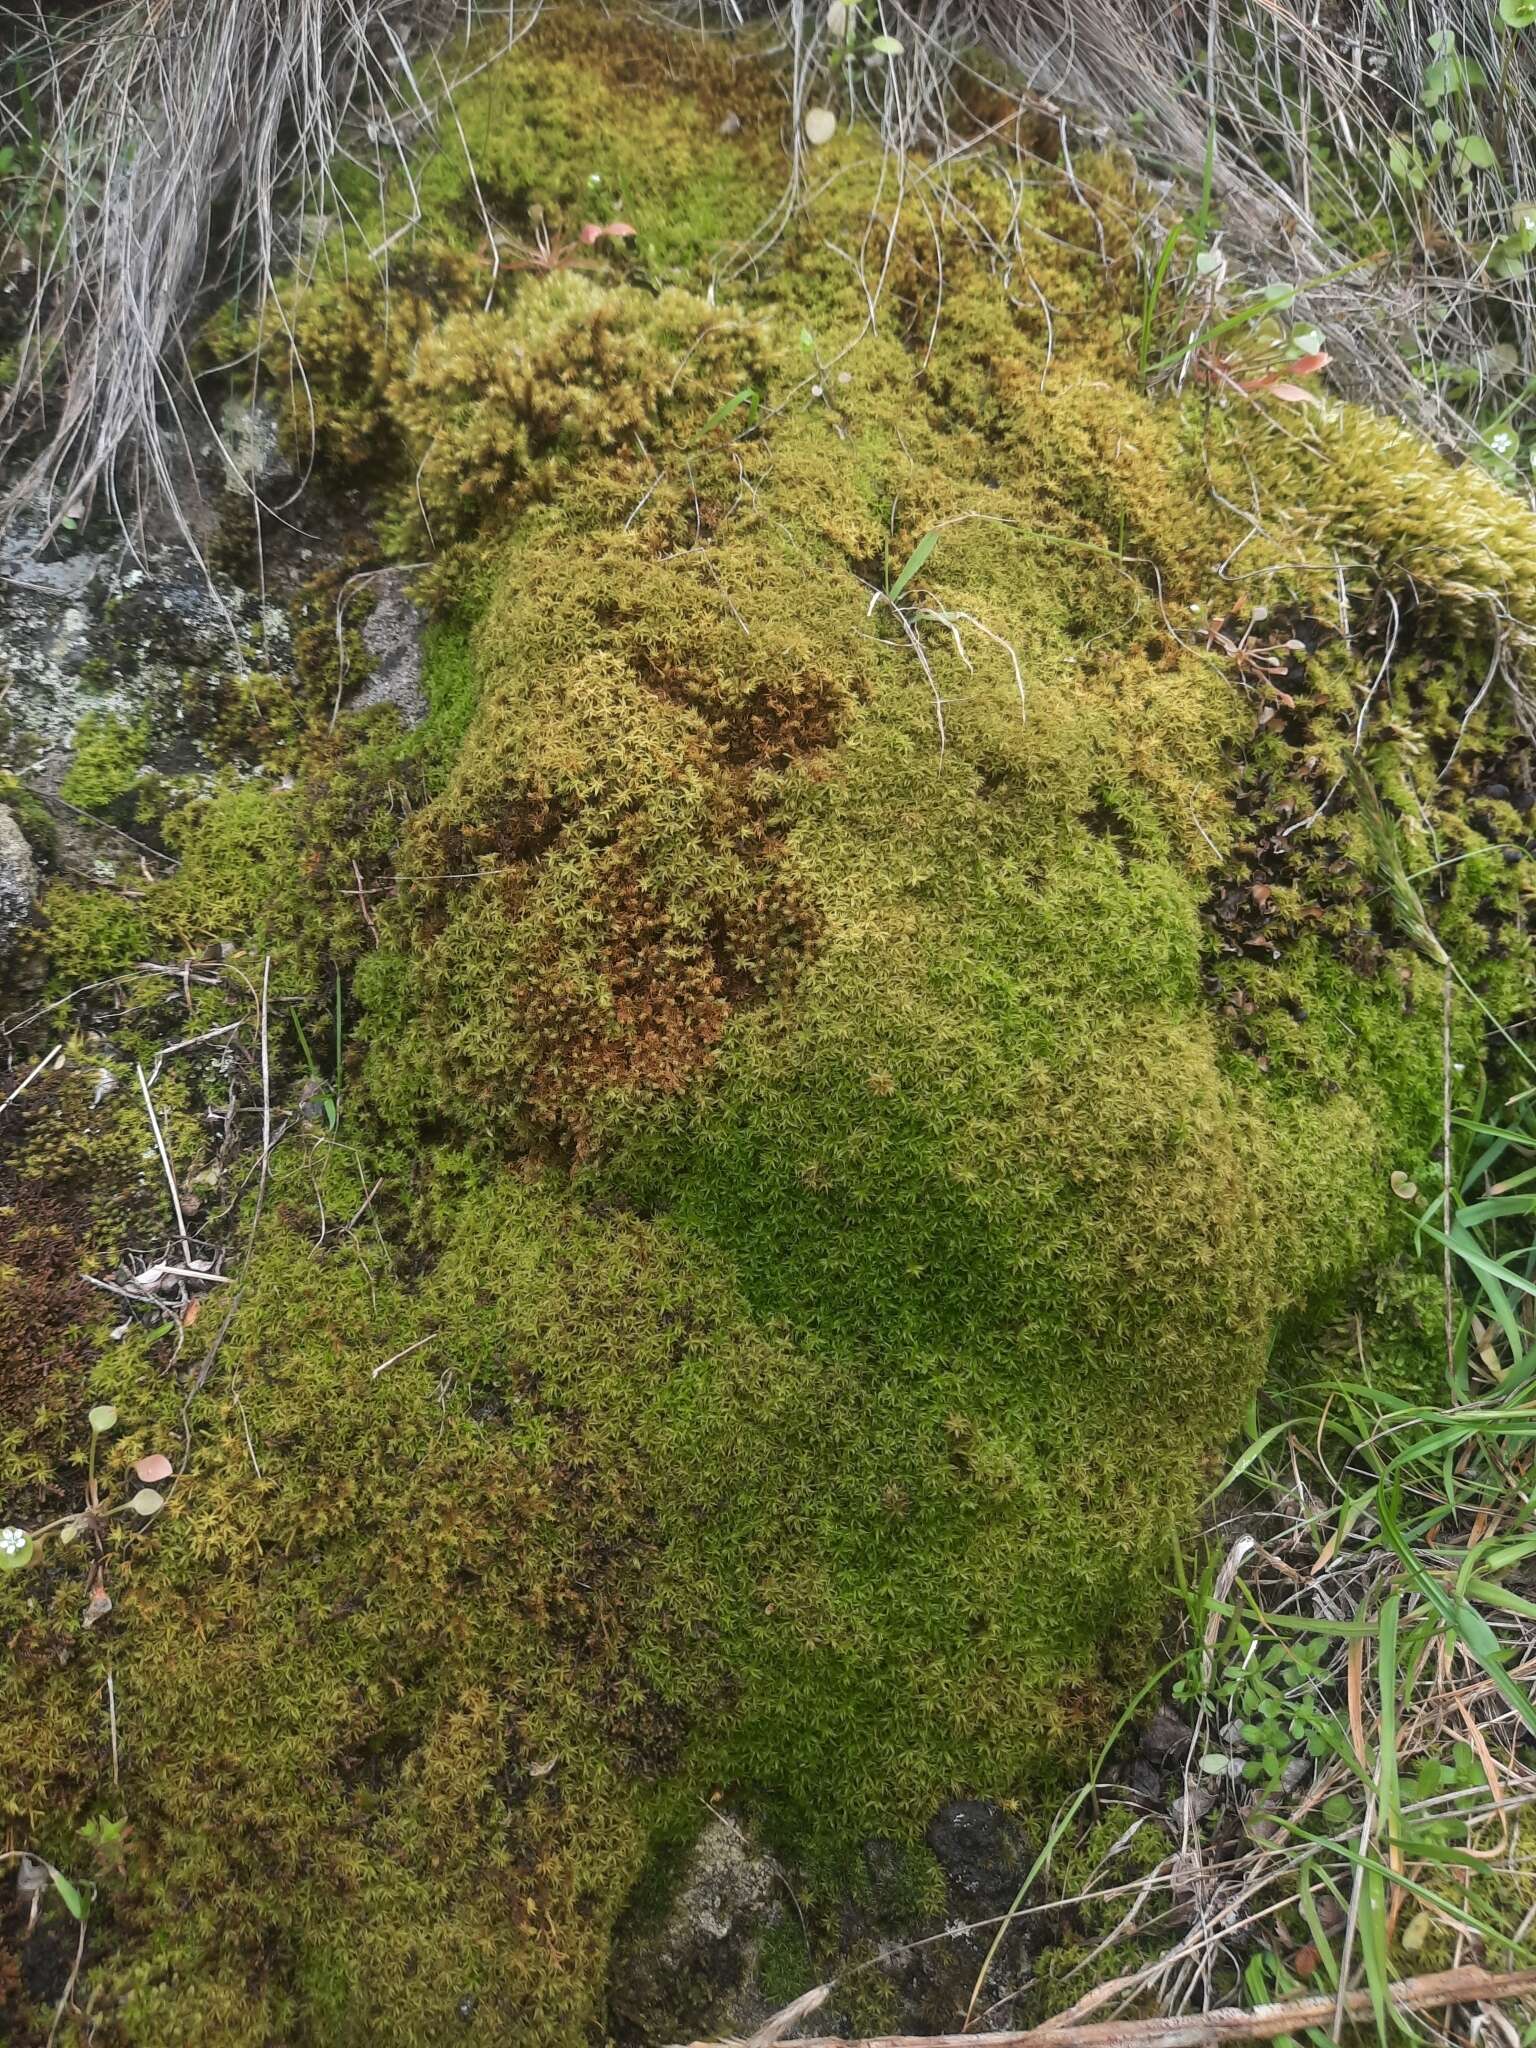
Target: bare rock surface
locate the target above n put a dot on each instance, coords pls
(392, 637)
(18, 882)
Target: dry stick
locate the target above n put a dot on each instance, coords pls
(43, 1064)
(395, 1360)
(1447, 1275)
(1198, 2030)
(266, 1078)
(165, 1161)
(183, 1045)
(69, 1987)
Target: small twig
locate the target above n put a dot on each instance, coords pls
(659, 477)
(69, 1988)
(1468, 1986)
(1447, 1274)
(420, 1341)
(362, 904)
(165, 1161)
(184, 1045)
(266, 1078)
(357, 1215)
(43, 1064)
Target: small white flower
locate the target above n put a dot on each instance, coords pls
(1528, 223)
(596, 178)
(815, 391)
(1503, 442)
(12, 1540)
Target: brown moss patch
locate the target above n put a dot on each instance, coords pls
(56, 1223)
(620, 801)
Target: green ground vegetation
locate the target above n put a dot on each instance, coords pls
(860, 1068)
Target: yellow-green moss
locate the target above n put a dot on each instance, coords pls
(90, 933)
(850, 1130)
(106, 760)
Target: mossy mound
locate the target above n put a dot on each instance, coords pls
(847, 1074)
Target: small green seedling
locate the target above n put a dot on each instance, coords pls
(329, 1094)
(18, 1546)
(915, 561)
(748, 396)
(845, 27)
(107, 1839)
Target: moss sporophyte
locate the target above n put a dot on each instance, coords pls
(864, 1014)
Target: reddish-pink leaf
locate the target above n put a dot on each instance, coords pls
(155, 1467)
(618, 229)
(1278, 381)
(1293, 394)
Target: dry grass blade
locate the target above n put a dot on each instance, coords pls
(1471, 1986)
(190, 146)
(1289, 118)
(170, 116)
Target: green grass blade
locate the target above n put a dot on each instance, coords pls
(915, 561)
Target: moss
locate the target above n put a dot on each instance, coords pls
(1458, 533)
(107, 760)
(239, 868)
(495, 407)
(91, 933)
(637, 128)
(71, 1197)
(37, 826)
(452, 686)
(855, 1095)
(1088, 1942)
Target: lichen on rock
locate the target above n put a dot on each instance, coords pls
(18, 881)
(859, 1071)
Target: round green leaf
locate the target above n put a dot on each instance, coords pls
(888, 46)
(147, 1502)
(102, 1418)
(13, 1555)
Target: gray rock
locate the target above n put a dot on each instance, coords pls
(694, 1976)
(1191, 1807)
(18, 882)
(982, 1851)
(1165, 1737)
(392, 637)
(248, 436)
(100, 631)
